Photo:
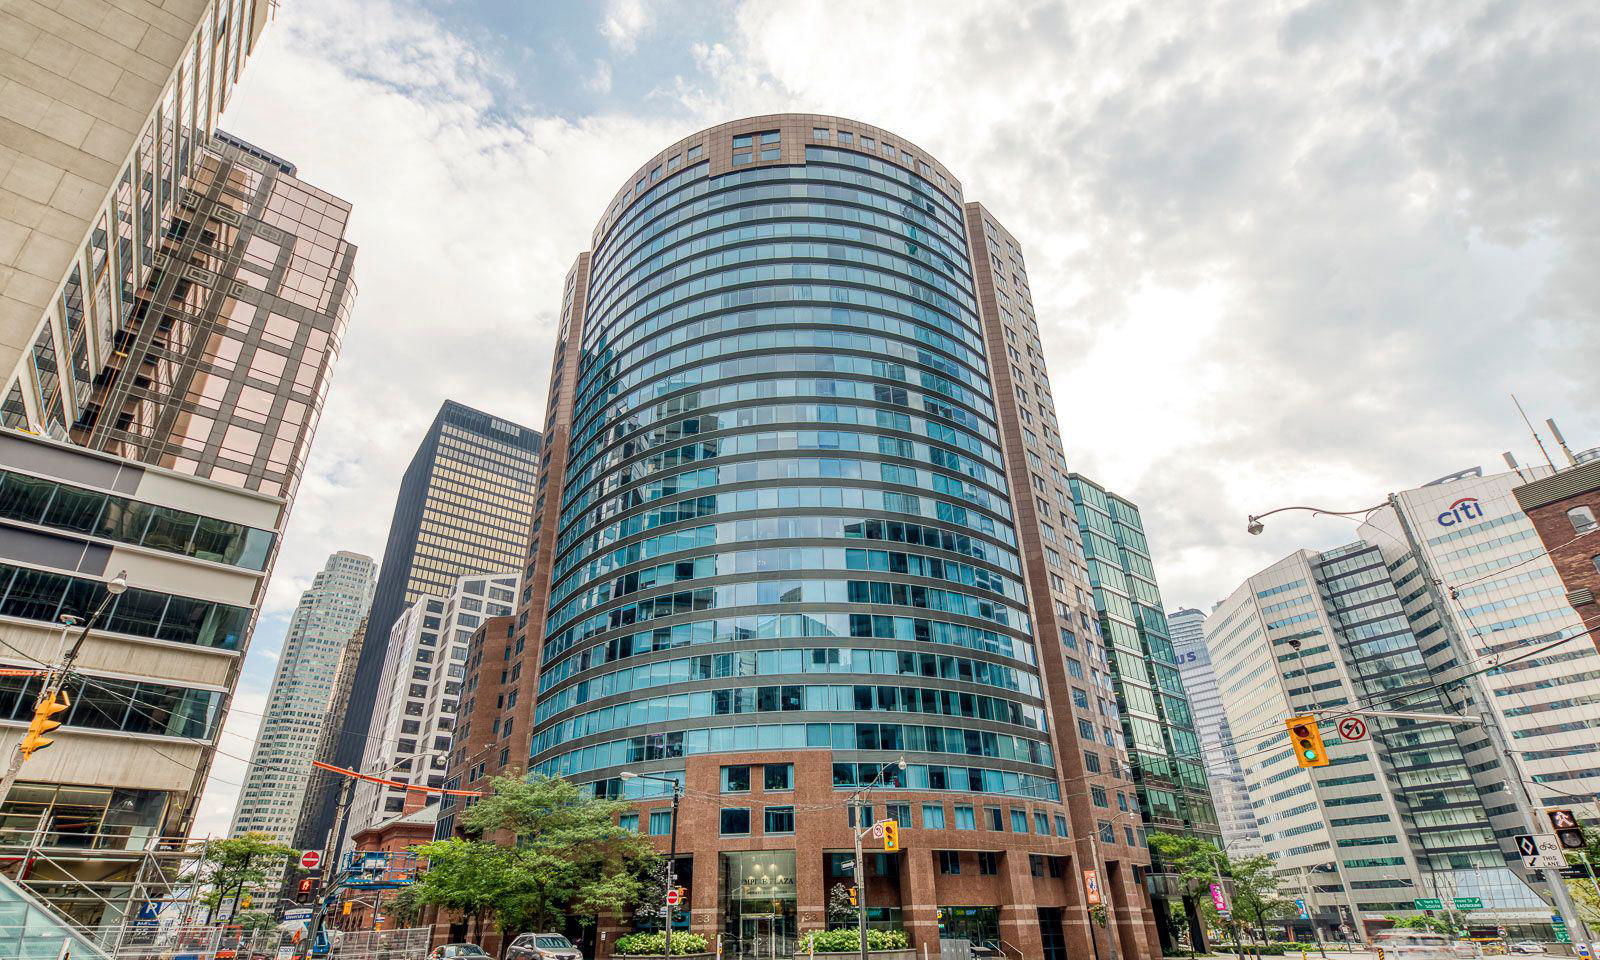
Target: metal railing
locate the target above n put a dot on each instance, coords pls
(215, 942)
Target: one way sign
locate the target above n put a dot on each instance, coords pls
(1540, 851)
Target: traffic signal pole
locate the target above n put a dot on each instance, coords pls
(55, 681)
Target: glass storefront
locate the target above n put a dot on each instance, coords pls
(758, 904)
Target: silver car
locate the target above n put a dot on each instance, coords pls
(543, 946)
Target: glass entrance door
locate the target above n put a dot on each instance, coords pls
(758, 937)
(759, 904)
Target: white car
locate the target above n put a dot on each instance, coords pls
(543, 946)
(1528, 946)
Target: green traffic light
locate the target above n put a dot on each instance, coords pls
(1309, 754)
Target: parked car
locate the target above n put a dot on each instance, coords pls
(457, 951)
(1415, 945)
(543, 946)
(1528, 946)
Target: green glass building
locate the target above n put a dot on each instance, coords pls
(1157, 724)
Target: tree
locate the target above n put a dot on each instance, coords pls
(228, 868)
(254, 921)
(841, 912)
(1255, 893)
(563, 855)
(403, 908)
(1196, 861)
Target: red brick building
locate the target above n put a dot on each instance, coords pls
(1565, 509)
(397, 835)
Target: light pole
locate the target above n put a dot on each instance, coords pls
(1499, 740)
(55, 678)
(861, 830)
(672, 855)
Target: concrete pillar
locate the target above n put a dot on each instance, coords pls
(705, 898)
(920, 902)
(1019, 915)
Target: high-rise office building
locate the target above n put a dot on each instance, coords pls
(414, 717)
(1223, 772)
(149, 691)
(1158, 725)
(105, 111)
(221, 369)
(1477, 582)
(302, 690)
(804, 514)
(1394, 817)
(463, 508)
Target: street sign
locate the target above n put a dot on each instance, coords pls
(1562, 936)
(1558, 919)
(674, 897)
(1469, 903)
(311, 859)
(847, 865)
(1581, 950)
(297, 913)
(1427, 903)
(1353, 728)
(1577, 871)
(1540, 851)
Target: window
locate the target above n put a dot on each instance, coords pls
(735, 821)
(1597, 563)
(932, 816)
(864, 813)
(950, 862)
(736, 779)
(1091, 761)
(1582, 519)
(996, 821)
(1061, 825)
(1107, 835)
(776, 820)
(965, 819)
(1041, 824)
(1019, 821)
(819, 133)
(629, 822)
(845, 137)
(779, 776)
(660, 823)
(1036, 864)
(988, 863)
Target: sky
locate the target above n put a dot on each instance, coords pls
(1280, 252)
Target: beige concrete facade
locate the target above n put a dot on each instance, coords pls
(96, 98)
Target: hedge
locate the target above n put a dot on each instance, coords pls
(849, 940)
(652, 944)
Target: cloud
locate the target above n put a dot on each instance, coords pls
(624, 23)
(1296, 252)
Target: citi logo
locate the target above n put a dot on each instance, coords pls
(1467, 508)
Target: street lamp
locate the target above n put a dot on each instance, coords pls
(672, 855)
(860, 867)
(1254, 525)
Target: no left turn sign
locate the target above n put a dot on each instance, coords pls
(1352, 728)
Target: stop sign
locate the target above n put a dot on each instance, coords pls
(310, 859)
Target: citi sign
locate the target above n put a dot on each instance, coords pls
(1467, 508)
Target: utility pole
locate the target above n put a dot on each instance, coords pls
(861, 876)
(669, 909)
(55, 681)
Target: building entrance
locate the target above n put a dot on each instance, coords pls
(758, 904)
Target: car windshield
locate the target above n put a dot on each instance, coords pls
(554, 943)
(463, 950)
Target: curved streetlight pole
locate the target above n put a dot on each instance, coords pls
(1254, 526)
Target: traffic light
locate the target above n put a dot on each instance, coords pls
(1307, 742)
(891, 836)
(347, 905)
(1569, 832)
(35, 738)
(853, 901)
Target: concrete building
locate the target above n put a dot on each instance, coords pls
(302, 691)
(1477, 582)
(221, 369)
(463, 508)
(414, 717)
(1235, 817)
(103, 111)
(479, 742)
(799, 421)
(1395, 816)
(149, 691)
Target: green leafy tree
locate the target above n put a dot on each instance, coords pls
(1419, 922)
(254, 921)
(1196, 861)
(841, 912)
(1255, 894)
(560, 854)
(230, 868)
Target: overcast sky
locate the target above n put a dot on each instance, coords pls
(1280, 252)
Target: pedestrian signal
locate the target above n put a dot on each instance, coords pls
(853, 901)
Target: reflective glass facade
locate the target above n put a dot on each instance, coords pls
(783, 371)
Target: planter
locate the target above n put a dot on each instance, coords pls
(906, 954)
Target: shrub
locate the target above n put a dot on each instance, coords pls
(651, 944)
(849, 940)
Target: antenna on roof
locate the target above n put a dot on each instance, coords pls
(1512, 463)
(1536, 438)
(1555, 431)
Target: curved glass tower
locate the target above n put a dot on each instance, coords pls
(782, 551)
